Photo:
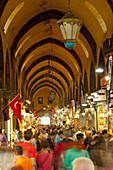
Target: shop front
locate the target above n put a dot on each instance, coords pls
(102, 118)
(100, 105)
(28, 120)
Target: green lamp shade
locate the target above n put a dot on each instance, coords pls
(69, 44)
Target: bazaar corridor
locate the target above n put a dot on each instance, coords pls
(56, 84)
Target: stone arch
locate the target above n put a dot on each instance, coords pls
(1, 64)
(7, 67)
(92, 78)
(102, 65)
(85, 82)
(76, 91)
(16, 83)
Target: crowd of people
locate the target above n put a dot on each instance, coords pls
(58, 148)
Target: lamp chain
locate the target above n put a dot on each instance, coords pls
(51, 57)
(69, 5)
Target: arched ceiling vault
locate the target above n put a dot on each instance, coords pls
(54, 82)
(52, 41)
(34, 39)
(47, 76)
(49, 82)
(48, 65)
(52, 58)
(47, 68)
(54, 74)
(45, 86)
(52, 87)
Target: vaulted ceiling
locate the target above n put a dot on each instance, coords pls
(36, 43)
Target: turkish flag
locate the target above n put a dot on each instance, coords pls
(15, 106)
(35, 114)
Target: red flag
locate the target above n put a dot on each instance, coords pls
(35, 114)
(15, 106)
(52, 112)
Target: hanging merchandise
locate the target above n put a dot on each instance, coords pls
(102, 119)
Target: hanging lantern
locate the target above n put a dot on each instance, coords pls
(70, 28)
(52, 95)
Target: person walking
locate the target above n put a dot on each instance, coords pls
(22, 162)
(74, 153)
(44, 159)
(28, 149)
(3, 142)
(20, 138)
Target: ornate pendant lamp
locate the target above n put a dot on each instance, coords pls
(70, 28)
(52, 95)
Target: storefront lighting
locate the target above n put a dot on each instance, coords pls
(95, 94)
(111, 91)
(90, 97)
(77, 111)
(109, 112)
(107, 78)
(91, 109)
(87, 109)
(70, 28)
(28, 101)
(61, 116)
(58, 111)
(84, 104)
(77, 116)
(24, 123)
(83, 114)
(106, 107)
(99, 70)
(55, 115)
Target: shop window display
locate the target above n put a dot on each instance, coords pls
(102, 119)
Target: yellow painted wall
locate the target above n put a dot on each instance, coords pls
(44, 92)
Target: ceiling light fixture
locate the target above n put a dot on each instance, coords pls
(70, 28)
(99, 70)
